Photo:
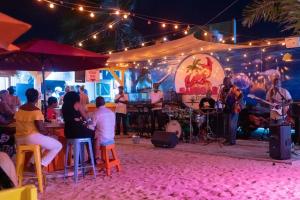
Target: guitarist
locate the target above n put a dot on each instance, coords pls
(281, 97)
(231, 96)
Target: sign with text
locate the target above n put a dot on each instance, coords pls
(92, 75)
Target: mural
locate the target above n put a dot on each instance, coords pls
(252, 71)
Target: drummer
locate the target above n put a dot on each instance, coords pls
(207, 103)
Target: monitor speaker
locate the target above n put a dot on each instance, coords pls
(164, 139)
(280, 142)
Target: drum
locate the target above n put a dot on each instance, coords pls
(174, 127)
(199, 119)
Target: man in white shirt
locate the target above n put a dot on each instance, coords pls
(156, 97)
(278, 96)
(104, 122)
(121, 101)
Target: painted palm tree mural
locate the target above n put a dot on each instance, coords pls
(198, 74)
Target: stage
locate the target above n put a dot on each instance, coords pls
(244, 149)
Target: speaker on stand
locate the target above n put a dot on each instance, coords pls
(280, 142)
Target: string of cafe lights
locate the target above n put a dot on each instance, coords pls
(92, 10)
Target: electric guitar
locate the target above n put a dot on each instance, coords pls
(276, 108)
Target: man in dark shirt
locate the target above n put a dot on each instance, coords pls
(207, 103)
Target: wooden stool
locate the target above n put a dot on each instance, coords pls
(21, 151)
(109, 163)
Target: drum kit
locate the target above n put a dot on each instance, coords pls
(185, 121)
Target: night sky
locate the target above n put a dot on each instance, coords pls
(46, 23)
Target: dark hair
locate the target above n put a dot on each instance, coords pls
(70, 99)
(11, 90)
(100, 101)
(32, 95)
(52, 100)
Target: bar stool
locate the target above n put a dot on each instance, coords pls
(78, 153)
(109, 163)
(21, 151)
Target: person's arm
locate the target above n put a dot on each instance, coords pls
(81, 109)
(40, 126)
(125, 101)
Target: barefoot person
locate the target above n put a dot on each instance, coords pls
(30, 128)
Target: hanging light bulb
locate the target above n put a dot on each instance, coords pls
(245, 55)
(227, 59)
(176, 26)
(232, 38)
(126, 49)
(263, 50)
(95, 36)
(92, 15)
(229, 49)
(250, 43)
(109, 52)
(143, 44)
(51, 5)
(125, 16)
(80, 44)
(163, 25)
(117, 12)
(149, 22)
(201, 49)
(269, 43)
(110, 26)
(283, 44)
(165, 39)
(185, 32)
(205, 33)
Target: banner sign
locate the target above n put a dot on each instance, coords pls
(92, 75)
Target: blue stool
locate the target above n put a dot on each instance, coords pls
(78, 152)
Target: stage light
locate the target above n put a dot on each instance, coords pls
(95, 36)
(92, 15)
(80, 8)
(51, 5)
(176, 26)
(163, 25)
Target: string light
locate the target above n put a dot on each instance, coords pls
(165, 39)
(283, 44)
(92, 15)
(125, 16)
(80, 8)
(245, 55)
(250, 43)
(110, 26)
(227, 59)
(205, 33)
(163, 25)
(143, 44)
(229, 49)
(176, 26)
(232, 38)
(126, 49)
(51, 5)
(80, 44)
(185, 32)
(109, 52)
(201, 49)
(263, 50)
(149, 22)
(95, 36)
(117, 12)
(269, 43)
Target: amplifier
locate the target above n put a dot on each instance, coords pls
(280, 142)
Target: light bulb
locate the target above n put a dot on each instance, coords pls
(80, 8)
(92, 15)
(95, 36)
(185, 32)
(117, 12)
(126, 49)
(163, 25)
(125, 16)
(51, 5)
(80, 44)
(205, 33)
(176, 26)
(109, 52)
(110, 26)
(250, 43)
(165, 39)
(143, 44)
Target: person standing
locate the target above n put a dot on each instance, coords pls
(84, 99)
(12, 100)
(282, 98)
(121, 100)
(156, 97)
(231, 96)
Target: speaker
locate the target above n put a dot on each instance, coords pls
(164, 139)
(280, 142)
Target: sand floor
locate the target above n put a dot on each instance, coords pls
(153, 173)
